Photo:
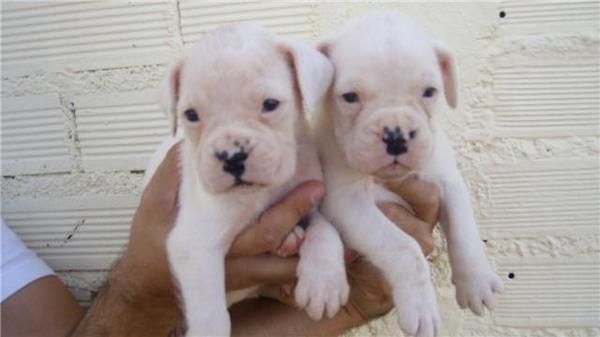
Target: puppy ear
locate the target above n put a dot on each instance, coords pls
(313, 71)
(323, 48)
(448, 69)
(169, 94)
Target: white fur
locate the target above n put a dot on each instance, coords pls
(388, 61)
(209, 219)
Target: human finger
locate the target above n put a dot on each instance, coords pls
(248, 271)
(160, 195)
(268, 233)
(420, 230)
(422, 195)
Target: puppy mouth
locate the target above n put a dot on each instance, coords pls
(241, 184)
(396, 165)
(393, 170)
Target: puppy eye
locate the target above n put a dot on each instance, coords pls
(269, 105)
(429, 92)
(350, 97)
(191, 115)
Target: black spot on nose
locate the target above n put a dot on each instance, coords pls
(234, 168)
(233, 164)
(240, 156)
(395, 143)
(222, 156)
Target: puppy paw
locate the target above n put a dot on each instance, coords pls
(322, 285)
(477, 289)
(417, 310)
(292, 242)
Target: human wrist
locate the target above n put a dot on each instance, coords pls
(348, 318)
(120, 287)
(360, 313)
(350, 315)
(125, 302)
(351, 319)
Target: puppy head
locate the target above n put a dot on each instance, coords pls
(389, 79)
(239, 95)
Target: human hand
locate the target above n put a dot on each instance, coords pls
(371, 295)
(253, 258)
(140, 298)
(424, 198)
(142, 277)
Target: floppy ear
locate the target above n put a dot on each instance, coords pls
(448, 69)
(313, 71)
(169, 94)
(324, 45)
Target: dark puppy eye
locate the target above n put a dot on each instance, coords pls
(191, 115)
(429, 92)
(269, 105)
(350, 97)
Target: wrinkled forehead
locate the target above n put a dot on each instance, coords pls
(384, 50)
(223, 70)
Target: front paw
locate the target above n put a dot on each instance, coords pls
(477, 289)
(417, 310)
(322, 285)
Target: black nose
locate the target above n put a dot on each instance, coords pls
(233, 164)
(395, 143)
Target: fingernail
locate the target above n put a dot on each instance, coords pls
(316, 195)
(350, 255)
(300, 242)
(286, 290)
(282, 252)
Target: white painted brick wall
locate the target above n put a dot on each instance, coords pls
(79, 120)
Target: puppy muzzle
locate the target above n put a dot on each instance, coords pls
(391, 142)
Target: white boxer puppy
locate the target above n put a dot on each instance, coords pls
(377, 124)
(240, 97)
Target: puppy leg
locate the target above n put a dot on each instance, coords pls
(476, 283)
(322, 284)
(366, 229)
(197, 261)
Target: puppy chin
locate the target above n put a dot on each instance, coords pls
(393, 171)
(368, 162)
(218, 183)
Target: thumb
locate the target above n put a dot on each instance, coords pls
(267, 234)
(248, 271)
(283, 293)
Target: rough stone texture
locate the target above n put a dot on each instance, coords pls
(484, 45)
(72, 184)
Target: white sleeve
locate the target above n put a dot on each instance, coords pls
(20, 266)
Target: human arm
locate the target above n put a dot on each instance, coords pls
(44, 307)
(35, 302)
(140, 297)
